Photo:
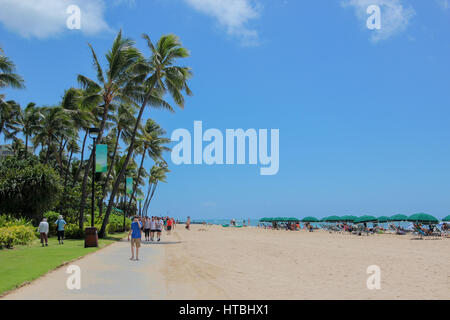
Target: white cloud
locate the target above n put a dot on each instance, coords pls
(233, 15)
(46, 18)
(395, 17)
(444, 4)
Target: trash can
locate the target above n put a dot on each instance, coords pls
(91, 238)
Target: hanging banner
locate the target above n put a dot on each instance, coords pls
(101, 158)
(129, 185)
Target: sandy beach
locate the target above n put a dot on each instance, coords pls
(249, 263)
(212, 262)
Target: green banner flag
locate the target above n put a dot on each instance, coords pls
(129, 185)
(101, 158)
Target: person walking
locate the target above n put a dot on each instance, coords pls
(136, 235)
(147, 228)
(60, 223)
(43, 231)
(188, 223)
(159, 227)
(169, 225)
(152, 228)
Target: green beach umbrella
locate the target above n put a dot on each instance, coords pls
(398, 217)
(366, 219)
(348, 218)
(310, 219)
(383, 219)
(423, 217)
(333, 219)
(447, 218)
(293, 220)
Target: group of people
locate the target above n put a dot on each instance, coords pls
(154, 225)
(44, 230)
(151, 227)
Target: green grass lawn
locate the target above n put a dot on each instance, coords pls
(26, 263)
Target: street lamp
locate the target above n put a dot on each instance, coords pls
(91, 239)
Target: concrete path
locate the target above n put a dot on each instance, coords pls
(106, 274)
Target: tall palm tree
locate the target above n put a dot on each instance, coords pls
(151, 142)
(124, 120)
(160, 73)
(111, 87)
(157, 174)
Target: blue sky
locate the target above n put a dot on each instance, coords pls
(363, 114)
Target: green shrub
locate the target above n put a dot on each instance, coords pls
(9, 221)
(14, 235)
(73, 231)
(27, 188)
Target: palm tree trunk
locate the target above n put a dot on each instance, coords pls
(109, 172)
(138, 177)
(151, 196)
(146, 197)
(48, 150)
(77, 175)
(124, 167)
(26, 146)
(65, 181)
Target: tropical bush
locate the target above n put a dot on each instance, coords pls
(27, 187)
(9, 221)
(14, 235)
(73, 231)
(115, 223)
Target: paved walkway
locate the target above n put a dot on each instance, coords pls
(106, 274)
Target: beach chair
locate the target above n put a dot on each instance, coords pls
(360, 230)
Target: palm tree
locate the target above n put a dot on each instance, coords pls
(8, 77)
(124, 120)
(150, 142)
(54, 122)
(161, 74)
(157, 174)
(29, 120)
(9, 115)
(111, 87)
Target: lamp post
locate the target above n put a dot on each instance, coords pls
(91, 239)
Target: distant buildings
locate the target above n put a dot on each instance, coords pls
(5, 150)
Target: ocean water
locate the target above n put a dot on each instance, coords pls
(254, 223)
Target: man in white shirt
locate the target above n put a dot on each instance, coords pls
(43, 230)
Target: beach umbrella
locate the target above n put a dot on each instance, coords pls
(423, 217)
(293, 220)
(383, 219)
(366, 219)
(310, 219)
(348, 218)
(398, 217)
(447, 218)
(333, 219)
